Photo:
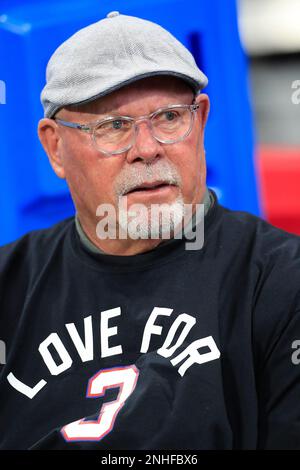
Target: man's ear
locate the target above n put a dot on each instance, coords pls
(48, 133)
(203, 100)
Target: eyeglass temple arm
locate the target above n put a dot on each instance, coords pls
(73, 125)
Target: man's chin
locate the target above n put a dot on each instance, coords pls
(152, 221)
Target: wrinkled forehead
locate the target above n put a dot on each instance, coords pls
(161, 89)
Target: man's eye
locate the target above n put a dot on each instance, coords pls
(118, 124)
(114, 125)
(170, 115)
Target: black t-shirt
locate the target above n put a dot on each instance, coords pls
(169, 349)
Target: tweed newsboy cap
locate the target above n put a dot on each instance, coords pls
(112, 53)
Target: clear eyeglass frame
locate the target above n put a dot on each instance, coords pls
(91, 127)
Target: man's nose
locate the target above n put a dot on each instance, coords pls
(145, 146)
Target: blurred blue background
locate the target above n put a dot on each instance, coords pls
(31, 196)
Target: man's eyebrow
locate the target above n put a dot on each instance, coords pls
(101, 111)
(90, 108)
(115, 112)
(107, 112)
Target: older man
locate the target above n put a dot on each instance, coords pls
(148, 171)
(118, 336)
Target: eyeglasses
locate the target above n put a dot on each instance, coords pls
(117, 134)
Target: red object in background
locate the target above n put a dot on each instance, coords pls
(279, 186)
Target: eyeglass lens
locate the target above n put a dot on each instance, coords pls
(168, 125)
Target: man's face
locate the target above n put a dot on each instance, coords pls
(95, 178)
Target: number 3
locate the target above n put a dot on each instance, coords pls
(123, 377)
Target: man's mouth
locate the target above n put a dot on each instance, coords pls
(156, 186)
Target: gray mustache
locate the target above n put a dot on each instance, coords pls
(128, 180)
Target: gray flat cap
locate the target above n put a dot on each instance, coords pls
(111, 53)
